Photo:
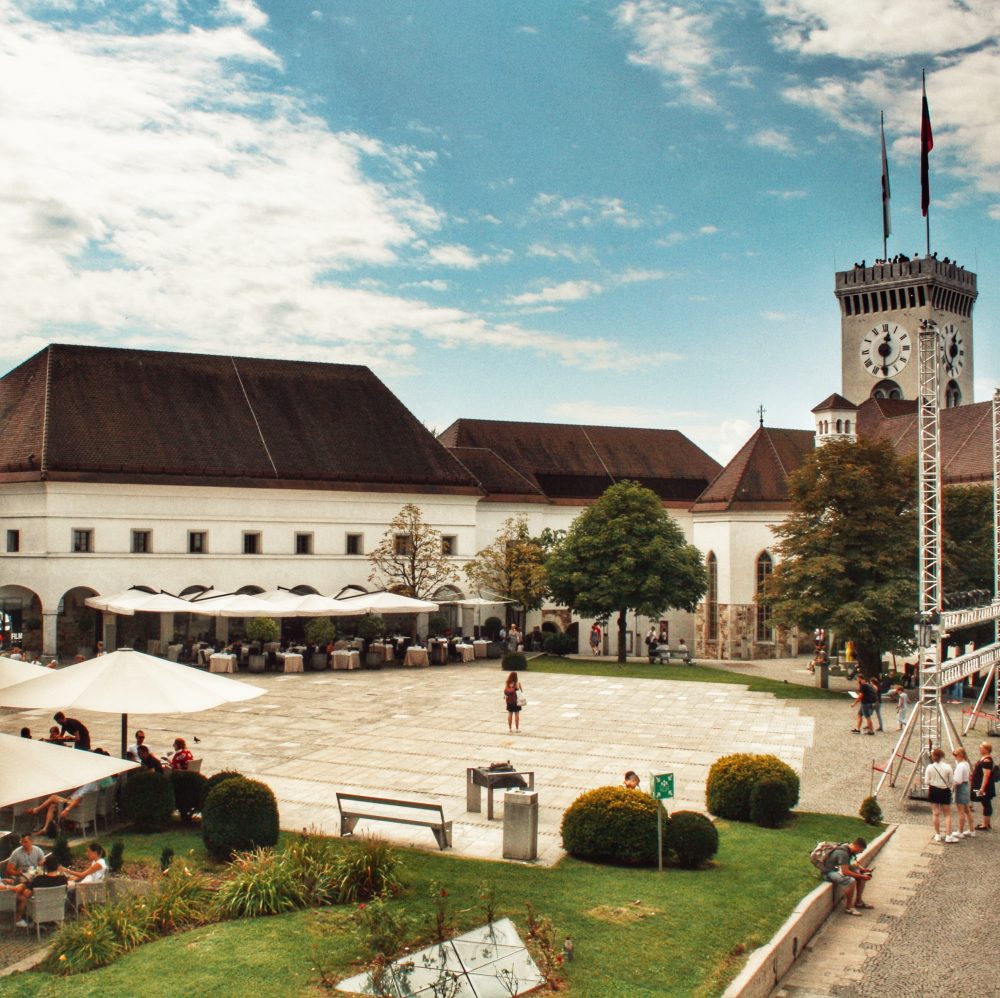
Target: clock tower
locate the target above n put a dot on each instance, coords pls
(881, 308)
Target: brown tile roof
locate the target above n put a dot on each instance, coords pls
(757, 477)
(115, 415)
(493, 473)
(834, 401)
(567, 461)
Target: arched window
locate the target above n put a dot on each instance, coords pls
(847, 426)
(887, 390)
(952, 395)
(765, 632)
(712, 598)
(840, 426)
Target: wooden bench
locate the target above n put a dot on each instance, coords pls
(664, 655)
(350, 815)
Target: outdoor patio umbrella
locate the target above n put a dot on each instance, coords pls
(128, 682)
(136, 601)
(384, 602)
(309, 605)
(34, 769)
(238, 605)
(12, 672)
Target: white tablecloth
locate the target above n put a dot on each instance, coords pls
(220, 662)
(416, 656)
(466, 652)
(346, 659)
(480, 648)
(293, 662)
(173, 651)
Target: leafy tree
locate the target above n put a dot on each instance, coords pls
(849, 549)
(513, 566)
(626, 553)
(410, 558)
(967, 524)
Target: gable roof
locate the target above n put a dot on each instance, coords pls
(834, 401)
(494, 474)
(757, 477)
(565, 461)
(107, 414)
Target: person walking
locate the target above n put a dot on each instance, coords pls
(984, 789)
(864, 703)
(513, 694)
(595, 639)
(962, 786)
(876, 684)
(902, 706)
(938, 776)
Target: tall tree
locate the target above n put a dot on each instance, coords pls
(967, 524)
(410, 558)
(626, 553)
(849, 549)
(513, 566)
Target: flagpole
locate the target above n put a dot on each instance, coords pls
(885, 191)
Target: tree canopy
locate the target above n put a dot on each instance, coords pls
(849, 548)
(512, 566)
(967, 525)
(625, 553)
(410, 558)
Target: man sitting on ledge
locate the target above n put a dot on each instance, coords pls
(841, 870)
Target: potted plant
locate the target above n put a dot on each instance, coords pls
(262, 630)
(320, 631)
(437, 624)
(371, 628)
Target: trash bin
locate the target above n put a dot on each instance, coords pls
(823, 675)
(520, 824)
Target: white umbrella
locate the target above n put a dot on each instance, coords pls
(384, 602)
(136, 601)
(237, 605)
(309, 605)
(128, 682)
(34, 769)
(12, 672)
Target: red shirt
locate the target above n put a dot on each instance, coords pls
(181, 758)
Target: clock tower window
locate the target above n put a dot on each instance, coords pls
(952, 395)
(887, 390)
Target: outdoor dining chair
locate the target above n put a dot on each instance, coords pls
(86, 812)
(45, 906)
(84, 895)
(8, 902)
(105, 807)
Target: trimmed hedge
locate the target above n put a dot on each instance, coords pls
(514, 661)
(612, 825)
(559, 644)
(693, 838)
(732, 778)
(216, 778)
(769, 803)
(239, 815)
(190, 790)
(148, 801)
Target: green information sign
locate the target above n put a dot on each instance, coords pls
(663, 786)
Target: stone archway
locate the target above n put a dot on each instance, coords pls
(78, 627)
(21, 613)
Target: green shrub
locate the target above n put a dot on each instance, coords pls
(262, 883)
(129, 921)
(166, 858)
(437, 623)
(367, 869)
(313, 861)
(514, 661)
(239, 815)
(871, 811)
(148, 801)
(559, 644)
(769, 803)
(62, 851)
(491, 628)
(692, 838)
(216, 778)
(116, 859)
(612, 825)
(190, 790)
(263, 629)
(320, 631)
(182, 899)
(371, 627)
(78, 947)
(732, 778)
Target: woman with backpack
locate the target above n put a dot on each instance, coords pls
(984, 787)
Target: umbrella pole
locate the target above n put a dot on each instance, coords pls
(124, 735)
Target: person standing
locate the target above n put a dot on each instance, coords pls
(864, 703)
(595, 639)
(939, 776)
(902, 706)
(983, 787)
(73, 731)
(513, 638)
(513, 695)
(962, 784)
(651, 643)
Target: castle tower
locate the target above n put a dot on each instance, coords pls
(881, 308)
(836, 419)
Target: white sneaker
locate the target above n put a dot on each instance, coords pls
(951, 838)
(938, 838)
(969, 834)
(23, 924)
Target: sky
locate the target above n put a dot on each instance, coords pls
(623, 213)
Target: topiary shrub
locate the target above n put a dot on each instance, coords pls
(62, 851)
(263, 629)
(116, 858)
(216, 778)
(559, 644)
(371, 627)
(239, 815)
(437, 623)
(514, 661)
(320, 631)
(769, 803)
(732, 778)
(612, 825)
(692, 838)
(190, 789)
(148, 801)
(492, 627)
(871, 811)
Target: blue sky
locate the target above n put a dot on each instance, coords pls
(625, 213)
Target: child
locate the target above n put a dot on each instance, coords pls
(902, 705)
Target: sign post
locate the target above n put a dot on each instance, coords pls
(661, 786)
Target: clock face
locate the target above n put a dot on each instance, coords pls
(885, 350)
(952, 347)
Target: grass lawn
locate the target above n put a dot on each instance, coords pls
(685, 937)
(684, 673)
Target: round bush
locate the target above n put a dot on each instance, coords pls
(693, 838)
(559, 644)
(216, 778)
(514, 661)
(612, 825)
(148, 801)
(732, 778)
(190, 789)
(239, 815)
(769, 803)
(871, 811)
(491, 627)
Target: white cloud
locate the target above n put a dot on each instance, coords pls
(676, 237)
(457, 256)
(788, 195)
(577, 254)
(708, 230)
(565, 292)
(674, 42)
(434, 285)
(772, 138)
(246, 12)
(585, 212)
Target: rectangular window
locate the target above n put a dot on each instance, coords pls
(83, 540)
(303, 543)
(251, 543)
(355, 544)
(403, 545)
(13, 540)
(449, 545)
(142, 541)
(197, 542)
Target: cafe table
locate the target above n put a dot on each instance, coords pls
(221, 662)
(416, 656)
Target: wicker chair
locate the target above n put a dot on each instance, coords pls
(83, 895)
(8, 903)
(85, 813)
(105, 806)
(46, 905)
(194, 766)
